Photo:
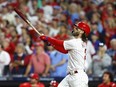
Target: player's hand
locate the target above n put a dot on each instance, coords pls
(43, 37)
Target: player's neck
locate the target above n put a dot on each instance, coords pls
(108, 83)
(77, 37)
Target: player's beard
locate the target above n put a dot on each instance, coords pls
(33, 81)
(75, 33)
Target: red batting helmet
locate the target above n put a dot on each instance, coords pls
(34, 76)
(83, 26)
(53, 83)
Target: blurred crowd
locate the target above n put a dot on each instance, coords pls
(22, 52)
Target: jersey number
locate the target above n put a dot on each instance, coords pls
(85, 55)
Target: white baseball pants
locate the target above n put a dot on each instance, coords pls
(79, 79)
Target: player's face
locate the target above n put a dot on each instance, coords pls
(106, 78)
(76, 31)
(33, 81)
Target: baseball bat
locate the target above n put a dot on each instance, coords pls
(26, 20)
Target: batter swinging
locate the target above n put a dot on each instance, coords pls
(76, 48)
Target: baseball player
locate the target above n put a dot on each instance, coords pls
(107, 80)
(33, 82)
(76, 48)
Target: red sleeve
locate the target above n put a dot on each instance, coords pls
(26, 84)
(57, 44)
(101, 85)
(41, 84)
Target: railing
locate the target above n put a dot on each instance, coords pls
(15, 80)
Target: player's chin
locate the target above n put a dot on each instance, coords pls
(75, 33)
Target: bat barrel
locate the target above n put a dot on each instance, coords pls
(26, 20)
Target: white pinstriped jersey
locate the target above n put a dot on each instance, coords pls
(77, 54)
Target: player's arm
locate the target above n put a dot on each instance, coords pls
(57, 44)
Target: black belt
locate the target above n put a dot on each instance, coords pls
(73, 72)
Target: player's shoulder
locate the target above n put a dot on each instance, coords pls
(4, 53)
(73, 40)
(40, 84)
(101, 85)
(26, 84)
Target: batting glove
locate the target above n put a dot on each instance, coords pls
(44, 38)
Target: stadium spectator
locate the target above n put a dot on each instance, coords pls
(82, 16)
(54, 28)
(65, 19)
(14, 35)
(101, 61)
(58, 64)
(56, 11)
(73, 12)
(28, 44)
(86, 6)
(2, 36)
(23, 36)
(17, 65)
(95, 40)
(40, 14)
(107, 80)
(112, 52)
(48, 9)
(8, 14)
(92, 9)
(34, 81)
(33, 6)
(95, 35)
(63, 33)
(18, 24)
(97, 26)
(4, 59)
(39, 62)
(108, 20)
(9, 47)
(23, 7)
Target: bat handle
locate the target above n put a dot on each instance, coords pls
(34, 28)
